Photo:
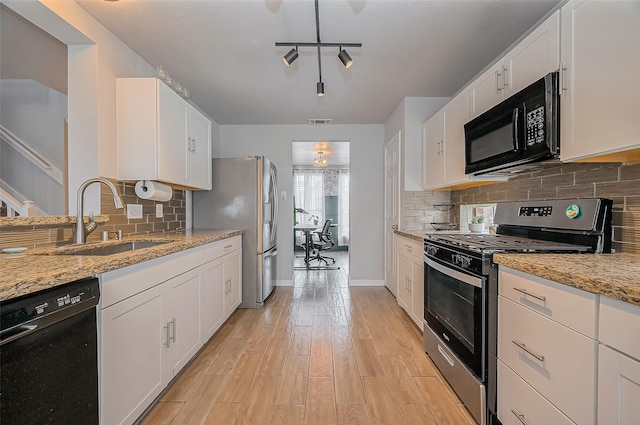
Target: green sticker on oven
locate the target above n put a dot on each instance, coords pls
(573, 211)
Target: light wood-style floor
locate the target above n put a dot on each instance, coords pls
(318, 353)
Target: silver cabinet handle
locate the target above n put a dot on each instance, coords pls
(498, 88)
(438, 152)
(563, 79)
(445, 355)
(529, 294)
(168, 335)
(228, 246)
(409, 287)
(520, 417)
(528, 350)
(173, 327)
(394, 227)
(505, 80)
(442, 147)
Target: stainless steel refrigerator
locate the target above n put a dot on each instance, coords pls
(244, 196)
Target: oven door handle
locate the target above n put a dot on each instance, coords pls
(471, 280)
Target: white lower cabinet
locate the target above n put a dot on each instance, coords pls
(411, 278)
(221, 276)
(619, 363)
(519, 403)
(182, 320)
(155, 316)
(131, 361)
(541, 340)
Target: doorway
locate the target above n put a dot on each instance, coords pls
(320, 192)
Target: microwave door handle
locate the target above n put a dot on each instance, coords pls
(515, 119)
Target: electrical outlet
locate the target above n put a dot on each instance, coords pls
(283, 195)
(159, 210)
(134, 211)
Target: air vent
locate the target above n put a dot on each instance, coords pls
(319, 121)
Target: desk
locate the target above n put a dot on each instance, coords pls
(307, 229)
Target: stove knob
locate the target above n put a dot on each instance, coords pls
(465, 261)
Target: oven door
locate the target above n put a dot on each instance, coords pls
(454, 308)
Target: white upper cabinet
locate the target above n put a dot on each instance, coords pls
(531, 59)
(534, 57)
(433, 134)
(600, 80)
(444, 149)
(160, 136)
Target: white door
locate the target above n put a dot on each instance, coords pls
(213, 287)
(232, 281)
(173, 152)
(618, 388)
(391, 208)
(433, 150)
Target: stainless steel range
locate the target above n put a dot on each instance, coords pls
(461, 285)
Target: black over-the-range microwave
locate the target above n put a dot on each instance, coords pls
(522, 129)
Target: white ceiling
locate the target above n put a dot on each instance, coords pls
(223, 51)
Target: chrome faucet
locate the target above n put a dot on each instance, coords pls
(82, 232)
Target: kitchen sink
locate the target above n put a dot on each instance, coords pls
(110, 249)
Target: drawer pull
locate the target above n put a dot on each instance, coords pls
(228, 246)
(529, 294)
(528, 350)
(445, 355)
(520, 417)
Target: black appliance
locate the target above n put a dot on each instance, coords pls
(49, 356)
(522, 129)
(461, 286)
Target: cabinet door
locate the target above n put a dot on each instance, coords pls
(487, 90)
(182, 319)
(599, 85)
(213, 297)
(618, 388)
(131, 356)
(556, 361)
(233, 281)
(519, 403)
(433, 137)
(404, 274)
(534, 57)
(417, 292)
(456, 115)
(199, 137)
(172, 137)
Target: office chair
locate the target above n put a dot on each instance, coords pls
(323, 243)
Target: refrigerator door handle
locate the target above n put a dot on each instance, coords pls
(274, 206)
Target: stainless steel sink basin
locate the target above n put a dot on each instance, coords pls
(111, 249)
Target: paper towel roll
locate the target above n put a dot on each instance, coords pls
(154, 191)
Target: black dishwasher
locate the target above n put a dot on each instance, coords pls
(48, 356)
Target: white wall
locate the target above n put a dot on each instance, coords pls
(367, 194)
(96, 59)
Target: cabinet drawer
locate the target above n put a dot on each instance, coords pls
(569, 306)
(409, 247)
(620, 326)
(223, 247)
(555, 360)
(516, 397)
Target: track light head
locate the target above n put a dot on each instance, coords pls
(291, 56)
(320, 88)
(345, 58)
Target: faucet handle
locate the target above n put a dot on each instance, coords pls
(106, 233)
(91, 219)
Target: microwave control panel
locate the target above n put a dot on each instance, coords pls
(535, 126)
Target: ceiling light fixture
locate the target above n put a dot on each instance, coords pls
(320, 161)
(292, 55)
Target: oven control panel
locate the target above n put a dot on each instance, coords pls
(535, 211)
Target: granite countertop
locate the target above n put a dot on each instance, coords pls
(411, 234)
(34, 270)
(613, 275)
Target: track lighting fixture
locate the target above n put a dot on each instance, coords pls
(292, 55)
(345, 58)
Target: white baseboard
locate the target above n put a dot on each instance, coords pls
(284, 282)
(365, 282)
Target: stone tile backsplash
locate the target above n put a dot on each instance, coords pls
(615, 181)
(174, 218)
